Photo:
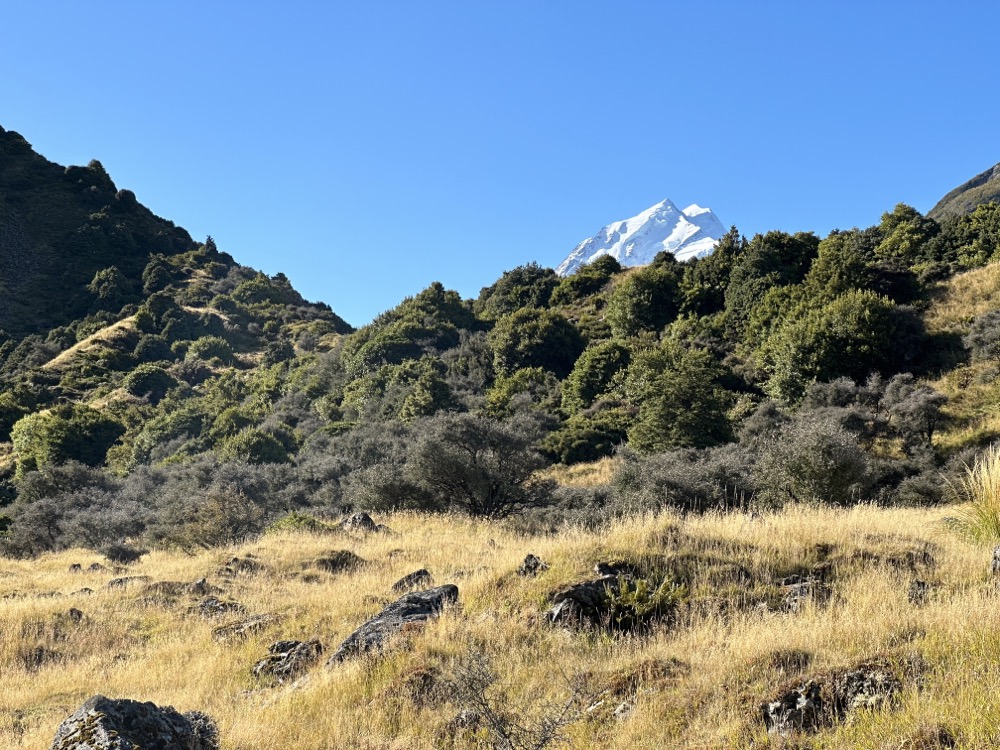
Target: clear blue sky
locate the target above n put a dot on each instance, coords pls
(368, 149)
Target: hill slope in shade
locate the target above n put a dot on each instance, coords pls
(689, 233)
(983, 188)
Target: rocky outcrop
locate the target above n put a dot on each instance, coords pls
(243, 628)
(106, 724)
(212, 607)
(822, 700)
(362, 522)
(589, 602)
(287, 659)
(413, 609)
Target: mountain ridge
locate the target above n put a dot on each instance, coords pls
(691, 232)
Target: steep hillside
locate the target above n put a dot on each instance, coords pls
(59, 226)
(983, 188)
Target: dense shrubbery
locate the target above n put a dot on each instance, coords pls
(783, 368)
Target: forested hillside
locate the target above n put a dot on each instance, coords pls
(156, 391)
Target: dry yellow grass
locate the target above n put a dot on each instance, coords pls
(106, 335)
(961, 298)
(582, 475)
(727, 655)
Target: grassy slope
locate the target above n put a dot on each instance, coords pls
(154, 652)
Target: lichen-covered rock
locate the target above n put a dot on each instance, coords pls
(411, 609)
(589, 602)
(797, 590)
(418, 579)
(287, 659)
(106, 724)
(248, 565)
(212, 607)
(359, 522)
(118, 583)
(822, 700)
(531, 567)
(243, 628)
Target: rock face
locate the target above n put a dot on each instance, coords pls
(411, 609)
(824, 699)
(339, 561)
(106, 724)
(287, 659)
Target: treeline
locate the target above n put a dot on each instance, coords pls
(783, 368)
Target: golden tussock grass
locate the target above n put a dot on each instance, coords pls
(722, 660)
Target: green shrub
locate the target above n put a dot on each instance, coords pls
(149, 381)
(255, 447)
(70, 432)
(208, 348)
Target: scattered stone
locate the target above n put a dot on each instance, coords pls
(617, 568)
(76, 568)
(995, 567)
(339, 561)
(797, 590)
(413, 608)
(394, 553)
(117, 583)
(287, 659)
(466, 722)
(820, 701)
(211, 607)
(201, 587)
(243, 628)
(359, 522)
(74, 615)
(83, 592)
(106, 724)
(96, 568)
(418, 579)
(589, 603)
(531, 567)
(248, 565)
(919, 591)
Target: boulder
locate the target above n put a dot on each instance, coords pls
(589, 602)
(106, 724)
(822, 700)
(918, 593)
(412, 609)
(243, 628)
(359, 522)
(797, 590)
(418, 579)
(76, 568)
(995, 567)
(531, 567)
(118, 583)
(212, 607)
(287, 659)
(248, 565)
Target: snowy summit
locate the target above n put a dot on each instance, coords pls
(691, 233)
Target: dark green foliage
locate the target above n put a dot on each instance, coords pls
(983, 338)
(705, 280)
(914, 410)
(208, 348)
(255, 447)
(150, 382)
(152, 349)
(680, 402)
(525, 286)
(535, 338)
(68, 432)
(590, 435)
(532, 387)
(585, 281)
(769, 260)
(646, 299)
(593, 373)
(905, 232)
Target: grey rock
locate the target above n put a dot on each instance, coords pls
(96, 568)
(531, 567)
(799, 709)
(413, 608)
(919, 591)
(76, 568)
(248, 565)
(211, 607)
(117, 583)
(588, 603)
(106, 724)
(359, 522)
(243, 628)
(287, 659)
(995, 566)
(416, 580)
(798, 590)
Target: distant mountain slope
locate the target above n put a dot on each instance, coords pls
(61, 225)
(689, 233)
(983, 188)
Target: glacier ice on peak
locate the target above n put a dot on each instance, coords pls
(690, 233)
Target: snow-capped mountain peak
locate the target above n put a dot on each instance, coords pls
(689, 233)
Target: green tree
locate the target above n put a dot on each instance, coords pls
(69, 432)
(592, 374)
(905, 231)
(681, 404)
(646, 300)
(525, 286)
(535, 338)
